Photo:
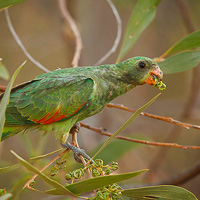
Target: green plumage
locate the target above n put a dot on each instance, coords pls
(55, 101)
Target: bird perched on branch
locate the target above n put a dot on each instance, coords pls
(57, 100)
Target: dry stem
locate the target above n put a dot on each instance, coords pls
(165, 119)
(19, 42)
(102, 132)
(118, 37)
(67, 17)
(52, 161)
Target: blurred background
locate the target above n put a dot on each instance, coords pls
(50, 41)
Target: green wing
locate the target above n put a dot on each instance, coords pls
(48, 99)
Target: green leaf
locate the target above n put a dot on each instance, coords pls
(126, 124)
(5, 100)
(4, 74)
(18, 187)
(141, 17)
(51, 182)
(6, 3)
(10, 168)
(6, 196)
(180, 62)
(16, 166)
(96, 182)
(113, 152)
(166, 192)
(191, 41)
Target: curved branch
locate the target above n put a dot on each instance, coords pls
(183, 177)
(67, 17)
(118, 37)
(165, 119)
(19, 42)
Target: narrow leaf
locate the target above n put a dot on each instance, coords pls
(10, 168)
(4, 74)
(126, 124)
(18, 187)
(180, 62)
(191, 41)
(97, 182)
(51, 182)
(113, 152)
(6, 3)
(141, 17)
(5, 100)
(6, 196)
(16, 166)
(166, 192)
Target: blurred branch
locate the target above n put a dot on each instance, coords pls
(103, 132)
(165, 119)
(184, 11)
(19, 42)
(185, 14)
(183, 177)
(194, 91)
(2, 88)
(67, 17)
(118, 37)
(27, 185)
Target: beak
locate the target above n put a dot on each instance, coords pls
(155, 76)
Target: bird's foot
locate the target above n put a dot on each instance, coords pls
(77, 152)
(75, 128)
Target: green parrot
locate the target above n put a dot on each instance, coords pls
(57, 100)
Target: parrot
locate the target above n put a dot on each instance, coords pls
(57, 100)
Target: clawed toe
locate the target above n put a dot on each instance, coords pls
(77, 152)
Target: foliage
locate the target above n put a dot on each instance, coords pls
(5, 100)
(183, 55)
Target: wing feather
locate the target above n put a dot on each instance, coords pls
(48, 99)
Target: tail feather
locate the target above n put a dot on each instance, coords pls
(10, 131)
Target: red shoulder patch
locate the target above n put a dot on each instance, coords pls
(56, 116)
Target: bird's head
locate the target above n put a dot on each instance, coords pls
(144, 70)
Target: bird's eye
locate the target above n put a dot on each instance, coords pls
(142, 64)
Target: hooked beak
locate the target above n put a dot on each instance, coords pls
(155, 78)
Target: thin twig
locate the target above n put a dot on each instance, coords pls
(2, 88)
(119, 33)
(165, 119)
(27, 185)
(74, 132)
(19, 42)
(67, 17)
(102, 132)
(183, 177)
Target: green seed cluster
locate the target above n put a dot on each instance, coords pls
(55, 170)
(32, 184)
(97, 168)
(159, 84)
(110, 192)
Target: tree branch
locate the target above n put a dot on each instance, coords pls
(19, 42)
(183, 177)
(165, 119)
(118, 37)
(67, 17)
(103, 132)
